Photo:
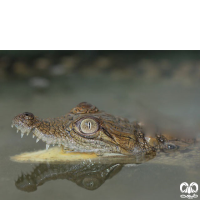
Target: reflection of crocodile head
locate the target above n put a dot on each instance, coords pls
(87, 173)
(86, 129)
(89, 176)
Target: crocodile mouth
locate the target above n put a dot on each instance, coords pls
(26, 130)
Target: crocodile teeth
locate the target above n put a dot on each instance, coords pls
(33, 136)
(12, 126)
(47, 146)
(17, 130)
(37, 140)
(22, 134)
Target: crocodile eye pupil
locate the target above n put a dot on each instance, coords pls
(89, 126)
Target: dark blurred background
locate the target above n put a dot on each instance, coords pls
(118, 64)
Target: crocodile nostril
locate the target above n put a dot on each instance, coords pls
(28, 115)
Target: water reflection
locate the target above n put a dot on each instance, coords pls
(89, 177)
(92, 173)
(87, 174)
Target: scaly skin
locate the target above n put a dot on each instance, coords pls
(86, 129)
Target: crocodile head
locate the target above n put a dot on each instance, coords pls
(87, 129)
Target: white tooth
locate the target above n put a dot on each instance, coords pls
(47, 146)
(33, 136)
(22, 135)
(17, 130)
(12, 126)
(37, 140)
(28, 132)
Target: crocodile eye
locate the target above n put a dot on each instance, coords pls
(28, 115)
(171, 146)
(89, 126)
(91, 183)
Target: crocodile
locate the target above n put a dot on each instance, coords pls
(87, 129)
